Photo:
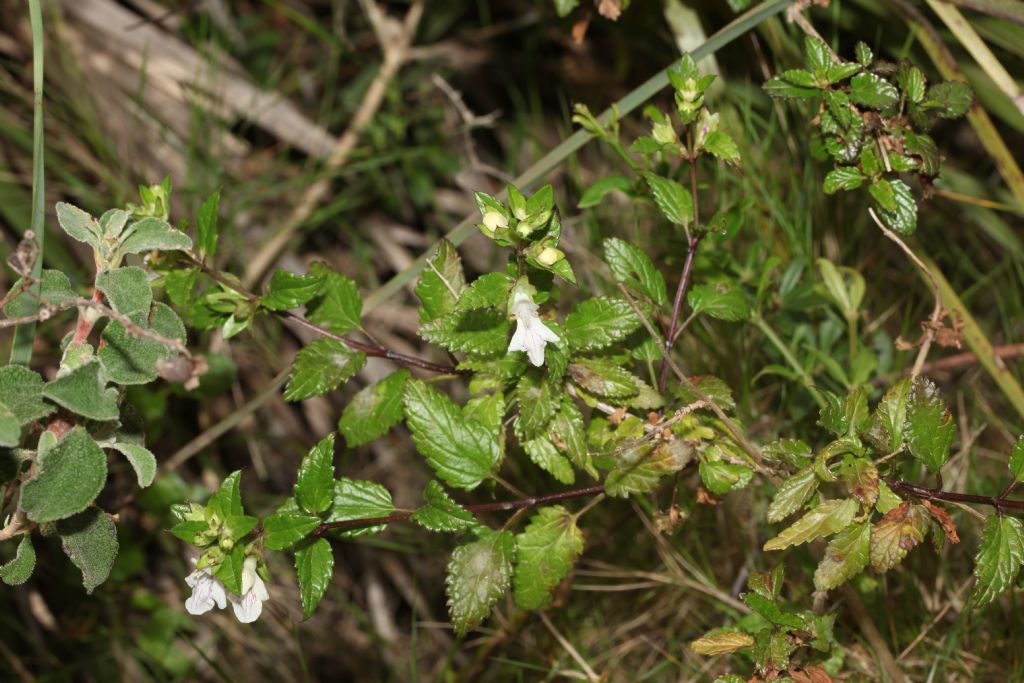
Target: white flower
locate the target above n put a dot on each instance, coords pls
(494, 220)
(254, 593)
(531, 334)
(207, 591)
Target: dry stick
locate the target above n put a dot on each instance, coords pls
(501, 506)
(395, 48)
(867, 626)
(577, 657)
(374, 350)
(933, 323)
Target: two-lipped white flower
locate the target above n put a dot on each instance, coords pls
(531, 334)
(208, 592)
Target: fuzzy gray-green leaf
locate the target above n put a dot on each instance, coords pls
(68, 478)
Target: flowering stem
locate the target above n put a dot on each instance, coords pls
(500, 506)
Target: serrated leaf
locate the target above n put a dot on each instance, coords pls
(314, 566)
(722, 643)
(79, 225)
(538, 400)
(860, 476)
(478, 574)
(338, 307)
(321, 367)
(952, 99)
(569, 435)
(1017, 460)
(545, 456)
(82, 392)
(68, 478)
(374, 410)
(130, 359)
(206, 225)
(127, 289)
(911, 80)
(929, 427)
(284, 529)
(141, 459)
(229, 571)
(440, 513)
(21, 391)
(441, 283)
(19, 569)
(463, 452)
(238, 526)
(603, 378)
(482, 333)
(641, 469)
(887, 425)
(545, 552)
(360, 499)
(817, 54)
(152, 234)
(873, 91)
(842, 178)
(724, 301)
(794, 84)
(840, 72)
(792, 495)
(488, 410)
(487, 291)
(923, 147)
(884, 193)
(593, 195)
(864, 54)
(290, 290)
(720, 477)
(633, 268)
(672, 198)
(846, 555)
(189, 530)
(902, 219)
(896, 534)
(599, 322)
(999, 558)
(721, 144)
(774, 612)
(824, 520)
(90, 540)
(314, 486)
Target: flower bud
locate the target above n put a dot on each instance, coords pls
(494, 220)
(550, 256)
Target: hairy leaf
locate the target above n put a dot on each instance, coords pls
(314, 566)
(285, 529)
(929, 427)
(478, 574)
(673, 199)
(90, 540)
(68, 478)
(321, 367)
(791, 496)
(633, 268)
(127, 289)
(314, 487)
(441, 283)
(440, 513)
(599, 322)
(131, 359)
(845, 556)
(544, 454)
(824, 520)
(999, 558)
(82, 392)
(20, 568)
(374, 410)
(359, 499)
(338, 307)
(722, 643)
(545, 552)
(722, 300)
(140, 458)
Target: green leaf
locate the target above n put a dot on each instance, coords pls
(54, 290)
(18, 570)
(127, 289)
(999, 558)
(842, 178)
(902, 219)
(873, 91)
(112, 222)
(374, 410)
(441, 283)
(774, 612)
(359, 499)
(545, 552)
(818, 56)
(884, 193)
(845, 556)
(545, 456)
(321, 367)
(593, 195)
(952, 99)
(68, 478)
(206, 225)
(130, 359)
(314, 566)
(482, 333)
(314, 487)
(570, 431)
(90, 540)
(600, 322)
(826, 519)
(565, 7)
(79, 225)
(285, 529)
(190, 531)
(887, 425)
(911, 80)
(239, 526)
(641, 469)
(538, 401)
(229, 571)
(896, 534)
(290, 290)
(792, 495)
(338, 307)
(227, 501)
(21, 391)
(488, 410)
(603, 378)
(794, 84)
(840, 72)
(478, 574)
(82, 392)
(487, 291)
(1017, 460)
(140, 458)
(673, 199)
(463, 452)
(722, 145)
(725, 301)
(10, 433)
(440, 513)
(720, 477)
(152, 234)
(929, 428)
(923, 147)
(633, 268)
(864, 54)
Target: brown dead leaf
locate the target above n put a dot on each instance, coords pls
(940, 515)
(579, 28)
(810, 674)
(704, 497)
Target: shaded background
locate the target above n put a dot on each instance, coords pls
(250, 97)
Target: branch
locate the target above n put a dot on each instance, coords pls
(501, 506)
(1000, 503)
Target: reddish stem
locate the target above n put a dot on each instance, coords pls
(998, 502)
